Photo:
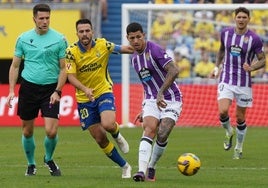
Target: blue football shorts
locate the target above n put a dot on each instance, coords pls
(89, 112)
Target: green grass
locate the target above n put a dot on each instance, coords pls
(84, 165)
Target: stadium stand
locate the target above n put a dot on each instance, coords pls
(111, 30)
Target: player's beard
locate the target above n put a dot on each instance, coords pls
(85, 41)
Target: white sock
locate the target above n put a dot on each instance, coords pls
(145, 150)
(226, 125)
(240, 137)
(156, 154)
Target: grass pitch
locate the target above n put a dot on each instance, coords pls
(84, 165)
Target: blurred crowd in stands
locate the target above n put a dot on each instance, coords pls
(192, 37)
(206, 1)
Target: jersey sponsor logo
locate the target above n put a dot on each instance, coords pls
(145, 74)
(90, 67)
(236, 50)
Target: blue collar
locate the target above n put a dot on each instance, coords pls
(82, 49)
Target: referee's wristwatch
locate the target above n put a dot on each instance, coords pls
(58, 92)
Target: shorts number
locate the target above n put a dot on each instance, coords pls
(221, 87)
(83, 113)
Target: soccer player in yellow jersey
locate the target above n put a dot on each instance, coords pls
(87, 70)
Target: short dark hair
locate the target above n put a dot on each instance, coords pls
(41, 8)
(242, 9)
(134, 27)
(83, 21)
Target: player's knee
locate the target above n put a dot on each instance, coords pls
(240, 118)
(109, 125)
(162, 137)
(150, 131)
(27, 131)
(164, 129)
(162, 134)
(102, 142)
(52, 134)
(27, 134)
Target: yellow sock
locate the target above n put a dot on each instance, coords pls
(113, 154)
(108, 149)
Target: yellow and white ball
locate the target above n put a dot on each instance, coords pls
(188, 164)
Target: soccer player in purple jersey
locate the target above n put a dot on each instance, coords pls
(162, 103)
(241, 52)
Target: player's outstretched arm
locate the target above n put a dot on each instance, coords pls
(127, 49)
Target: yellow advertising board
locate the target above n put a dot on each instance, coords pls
(14, 22)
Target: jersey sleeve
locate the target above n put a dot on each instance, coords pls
(112, 48)
(18, 48)
(258, 46)
(63, 45)
(70, 61)
(160, 56)
(117, 49)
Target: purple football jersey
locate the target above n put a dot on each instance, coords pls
(238, 50)
(149, 66)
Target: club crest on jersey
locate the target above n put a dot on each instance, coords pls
(235, 50)
(246, 39)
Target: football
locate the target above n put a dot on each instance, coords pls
(188, 164)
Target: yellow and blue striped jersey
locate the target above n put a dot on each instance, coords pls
(91, 66)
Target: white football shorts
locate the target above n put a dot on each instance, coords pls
(173, 109)
(242, 95)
